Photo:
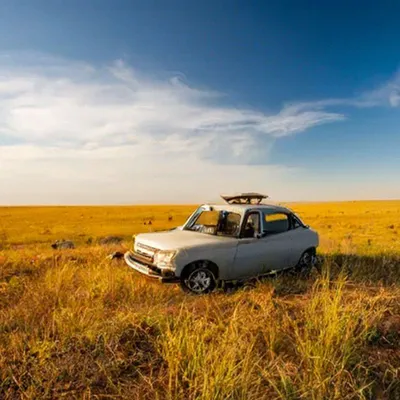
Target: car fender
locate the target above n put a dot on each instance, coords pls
(222, 256)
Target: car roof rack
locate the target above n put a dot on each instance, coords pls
(244, 198)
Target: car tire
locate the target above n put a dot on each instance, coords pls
(198, 278)
(306, 263)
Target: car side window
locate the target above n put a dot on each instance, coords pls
(230, 225)
(251, 226)
(276, 223)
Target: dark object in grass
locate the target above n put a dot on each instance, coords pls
(63, 244)
(116, 255)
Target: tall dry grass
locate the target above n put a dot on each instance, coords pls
(74, 324)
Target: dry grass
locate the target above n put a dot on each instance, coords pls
(74, 324)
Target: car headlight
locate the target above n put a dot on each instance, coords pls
(164, 258)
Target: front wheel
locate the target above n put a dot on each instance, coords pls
(198, 279)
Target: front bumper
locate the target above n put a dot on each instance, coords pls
(150, 270)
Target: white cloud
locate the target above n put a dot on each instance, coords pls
(387, 94)
(76, 104)
(71, 132)
(74, 132)
(394, 97)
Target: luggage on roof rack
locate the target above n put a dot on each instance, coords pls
(245, 198)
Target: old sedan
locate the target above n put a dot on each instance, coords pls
(226, 242)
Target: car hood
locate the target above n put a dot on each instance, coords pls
(179, 239)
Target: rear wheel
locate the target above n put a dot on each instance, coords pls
(306, 262)
(198, 278)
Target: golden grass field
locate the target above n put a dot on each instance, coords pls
(76, 325)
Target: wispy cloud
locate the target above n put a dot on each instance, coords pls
(83, 127)
(385, 95)
(81, 106)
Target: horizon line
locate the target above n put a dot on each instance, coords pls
(186, 204)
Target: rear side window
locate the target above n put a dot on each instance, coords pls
(276, 223)
(251, 226)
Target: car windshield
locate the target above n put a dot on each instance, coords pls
(221, 223)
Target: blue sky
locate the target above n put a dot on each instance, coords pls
(155, 101)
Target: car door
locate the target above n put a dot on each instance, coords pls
(261, 253)
(300, 238)
(278, 229)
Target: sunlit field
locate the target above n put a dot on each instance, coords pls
(75, 324)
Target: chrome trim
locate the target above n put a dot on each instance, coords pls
(142, 268)
(145, 251)
(145, 270)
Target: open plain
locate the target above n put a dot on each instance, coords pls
(75, 324)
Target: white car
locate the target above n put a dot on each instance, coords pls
(229, 242)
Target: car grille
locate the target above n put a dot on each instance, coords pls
(145, 251)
